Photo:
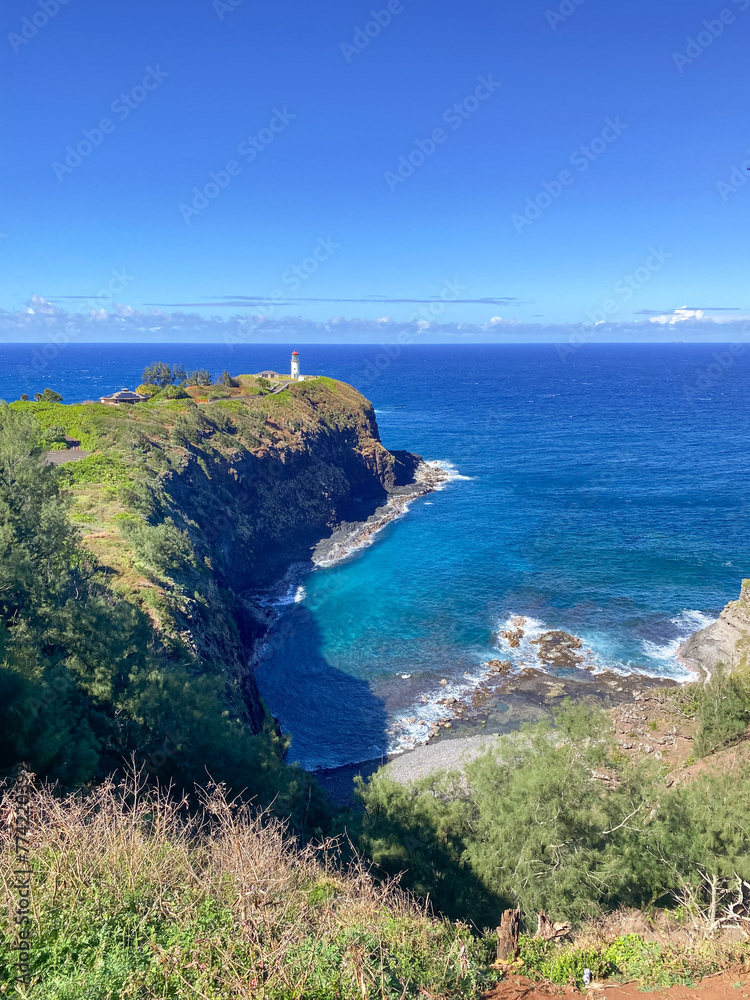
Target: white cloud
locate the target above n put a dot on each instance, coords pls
(681, 315)
(39, 320)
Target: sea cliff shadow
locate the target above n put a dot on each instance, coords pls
(334, 719)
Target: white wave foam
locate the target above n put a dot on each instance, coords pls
(412, 728)
(666, 654)
(282, 600)
(363, 536)
(693, 620)
(288, 591)
(452, 475)
(395, 508)
(688, 621)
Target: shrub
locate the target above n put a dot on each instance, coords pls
(147, 389)
(163, 547)
(533, 823)
(562, 964)
(97, 468)
(135, 895)
(190, 428)
(722, 711)
(628, 957)
(172, 392)
(54, 434)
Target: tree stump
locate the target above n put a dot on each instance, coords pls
(507, 935)
(549, 931)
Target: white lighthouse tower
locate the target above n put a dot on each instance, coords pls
(295, 366)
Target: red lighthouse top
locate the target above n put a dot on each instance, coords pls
(293, 353)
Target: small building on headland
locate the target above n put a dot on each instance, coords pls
(293, 376)
(123, 396)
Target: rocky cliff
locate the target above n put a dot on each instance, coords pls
(725, 641)
(194, 506)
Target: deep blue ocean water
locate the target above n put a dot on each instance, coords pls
(606, 494)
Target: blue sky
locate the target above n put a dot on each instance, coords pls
(560, 163)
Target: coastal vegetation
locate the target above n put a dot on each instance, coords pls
(161, 375)
(142, 892)
(176, 849)
(126, 627)
(559, 819)
(139, 895)
(86, 677)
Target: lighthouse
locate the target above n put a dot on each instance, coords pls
(295, 366)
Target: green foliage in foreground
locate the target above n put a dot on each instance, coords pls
(560, 822)
(133, 897)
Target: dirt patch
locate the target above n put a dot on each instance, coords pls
(652, 726)
(727, 986)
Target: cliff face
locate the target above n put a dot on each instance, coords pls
(725, 641)
(253, 512)
(198, 504)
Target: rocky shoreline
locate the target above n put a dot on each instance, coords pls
(727, 640)
(504, 706)
(351, 536)
(555, 665)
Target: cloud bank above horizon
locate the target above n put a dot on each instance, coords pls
(98, 322)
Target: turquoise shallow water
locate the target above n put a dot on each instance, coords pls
(606, 495)
(596, 496)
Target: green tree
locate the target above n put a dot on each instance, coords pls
(722, 710)
(147, 389)
(173, 392)
(159, 374)
(86, 681)
(228, 381)
(48, 396)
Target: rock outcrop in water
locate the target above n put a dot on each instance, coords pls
(559, 649)
(727, 640)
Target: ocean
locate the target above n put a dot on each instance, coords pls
(601, 490)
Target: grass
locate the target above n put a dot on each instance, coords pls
(137, 896)
(134, 896)
(626, 957)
